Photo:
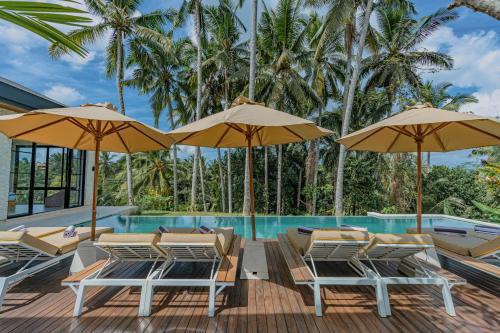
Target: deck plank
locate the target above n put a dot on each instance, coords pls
(41, 304)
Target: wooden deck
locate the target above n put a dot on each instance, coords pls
(41, 304)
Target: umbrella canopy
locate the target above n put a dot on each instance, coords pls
(77, 128)
(95, 127)
(439, 130)
(248, 124)
(229, 129)
(424, 128)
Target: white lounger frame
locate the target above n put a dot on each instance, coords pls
(36, 261)
(346, 251)
(404, 253)
(119, 253)
(187, 252)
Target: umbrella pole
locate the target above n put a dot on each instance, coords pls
(250, 175)
(94, 194)
(419, 186)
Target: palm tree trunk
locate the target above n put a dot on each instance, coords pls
(194, 178)
(315, 176)
(278, 180)
(221, 180)
(202, 181)
(251, 96)
(339, 189)
(309, 175)
(229, 183)
(174, 149)
(266, 181)
(299, 189)
(428, 159)
(119, 84)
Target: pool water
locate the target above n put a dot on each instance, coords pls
(270, 226)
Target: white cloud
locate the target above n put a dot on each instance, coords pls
(64, 94)
(77, 62)
(476, 65)
(18, 40)
(488, 105)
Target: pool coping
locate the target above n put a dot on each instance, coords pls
(463, 219)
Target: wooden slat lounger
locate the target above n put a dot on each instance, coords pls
(342, 246)
(198, 248)
(402, 248)
(39, 248)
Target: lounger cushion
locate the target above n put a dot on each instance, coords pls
(457, 244)
(182, 230)
(482, 235)
(110, 239)
(208, 239)
(298, 240)
(225, 236)
(336, 235)
(44, 231)
(66, 245)
(24, 238)
(424, 239)
(488, 247)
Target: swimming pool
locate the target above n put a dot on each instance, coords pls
(270, 226)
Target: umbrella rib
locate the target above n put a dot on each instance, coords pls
(236, 127)
(439, 141)
(393, 142)
(479, 130)
(80, 139)
(114, 129)
(258, 135)
(437, 128)
(366, 137)
(77, 124)
(120, 137)
(39, 127)
(148, 136)
(402, 131)
(289, 130)
(187, 137)
(222, 136)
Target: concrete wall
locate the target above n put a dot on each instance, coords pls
(89, 179)
(5, 152)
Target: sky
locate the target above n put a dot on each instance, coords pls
(473, 40)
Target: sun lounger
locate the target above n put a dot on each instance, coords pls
(402, 248)
(120, 248)
(219, 249)
(329, 245)
(38, 248)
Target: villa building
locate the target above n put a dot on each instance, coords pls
(37, 178)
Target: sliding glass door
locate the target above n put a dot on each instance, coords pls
(44, 178)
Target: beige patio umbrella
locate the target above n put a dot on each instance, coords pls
(247, 124)
(425, 128)
(95, 127)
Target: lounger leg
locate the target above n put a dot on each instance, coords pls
(3, 290)
(211, 300)
(80, 298)
(448, 300)
(317, 299)
(383, 305)
(146, 300)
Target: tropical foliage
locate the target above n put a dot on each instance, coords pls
(358, 63)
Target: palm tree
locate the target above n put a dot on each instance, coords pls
(438, 96)
(156, 74)
(37, 17)
(226, 60)
(323, 72)
(121, 19)
(151, 171)
(194, 7)
(279, 81)
(352, 81)
(397, 58)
